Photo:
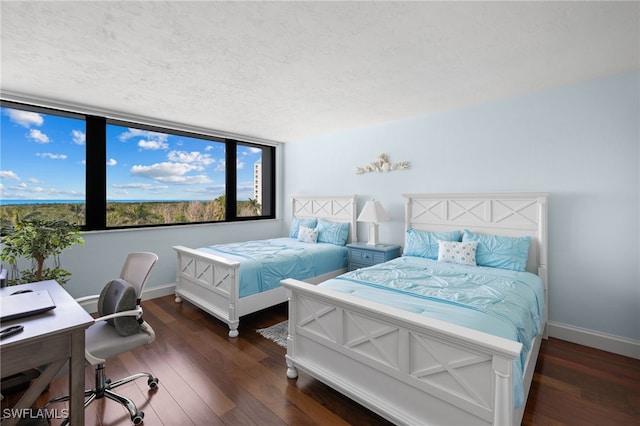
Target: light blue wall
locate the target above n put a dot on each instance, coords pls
(579, 143)
(103, 254)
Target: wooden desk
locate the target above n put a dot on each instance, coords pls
(48, 339)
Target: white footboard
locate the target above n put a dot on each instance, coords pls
(213, 284)
(209, 282)
(406, 367)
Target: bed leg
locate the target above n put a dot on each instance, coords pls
(233, 331)
(178, 299)
(292, 371)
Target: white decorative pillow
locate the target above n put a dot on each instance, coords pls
(455, 252)
(307, 235)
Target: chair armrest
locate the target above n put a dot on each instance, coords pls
(88, 298)
(132, 313)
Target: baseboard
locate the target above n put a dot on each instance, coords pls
(159, 291)
(595, 339)
(147, 294)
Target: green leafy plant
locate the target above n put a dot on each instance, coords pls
(38, 240)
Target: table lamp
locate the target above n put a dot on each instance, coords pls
(373, 212)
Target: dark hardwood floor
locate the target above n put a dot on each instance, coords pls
(208, 379)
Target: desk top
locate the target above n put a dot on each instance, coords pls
(66, 316)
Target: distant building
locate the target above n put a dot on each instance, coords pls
(257, 181)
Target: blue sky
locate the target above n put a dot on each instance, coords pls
(42, 157)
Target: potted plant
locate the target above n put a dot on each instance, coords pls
(38, 240)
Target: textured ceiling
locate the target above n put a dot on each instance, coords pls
(286, 71)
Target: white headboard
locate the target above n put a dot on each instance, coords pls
(509, 214)
(337, 208)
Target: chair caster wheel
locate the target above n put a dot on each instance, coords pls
(153, 382)
(138, 418)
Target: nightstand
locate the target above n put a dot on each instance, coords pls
(362, 255)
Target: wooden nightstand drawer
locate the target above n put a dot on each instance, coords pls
(362, 255)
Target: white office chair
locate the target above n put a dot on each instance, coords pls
(120, 328)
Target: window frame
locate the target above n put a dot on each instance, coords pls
(96, 166)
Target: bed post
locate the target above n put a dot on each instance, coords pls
(178, 299)
(292, 371)
(503, 396)
(542, 258)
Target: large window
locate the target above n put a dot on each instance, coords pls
(128, 174)
(42, 166)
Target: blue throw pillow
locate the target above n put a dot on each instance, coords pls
(425, 243)
(333, 232)
(296, 223)
(501, 252)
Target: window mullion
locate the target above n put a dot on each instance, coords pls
(96, 188)
(231, 181)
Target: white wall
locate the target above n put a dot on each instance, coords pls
(579, 143)
(103, 254)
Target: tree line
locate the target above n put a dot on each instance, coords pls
(129, 213)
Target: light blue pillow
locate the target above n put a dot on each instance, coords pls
(425, 243)
(296, 223)
(501, 252)
(332, 232)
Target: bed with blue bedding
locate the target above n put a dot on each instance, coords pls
(508, 304)
(448, 333)
(235, 279)
(264, 263)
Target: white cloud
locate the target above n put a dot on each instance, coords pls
(111, 162)
(38, 136)
(167, 172)
(148, 139)
(144, 186)
(26, 188)
(162, 170)
(185, 180)
(78, 137)
(196, 158)
(254, 150)
(153, 144)
(8, 174)
(25, 118)
(134, 133)
(51, 156)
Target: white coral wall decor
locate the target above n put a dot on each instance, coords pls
(382, 164)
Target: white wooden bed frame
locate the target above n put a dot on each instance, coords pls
(408, 368)
(212, 282)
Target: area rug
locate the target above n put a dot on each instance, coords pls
(277, 333)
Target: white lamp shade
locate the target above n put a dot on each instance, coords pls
(373, 212)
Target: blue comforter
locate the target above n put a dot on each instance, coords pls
(504, 303)
(264, 263)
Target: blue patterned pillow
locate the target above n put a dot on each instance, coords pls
(297, 223)
(425, 243)
(332, 232)
(501, 252)
(307, 235)
(455, 252)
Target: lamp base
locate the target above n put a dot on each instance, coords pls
(373, 235)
